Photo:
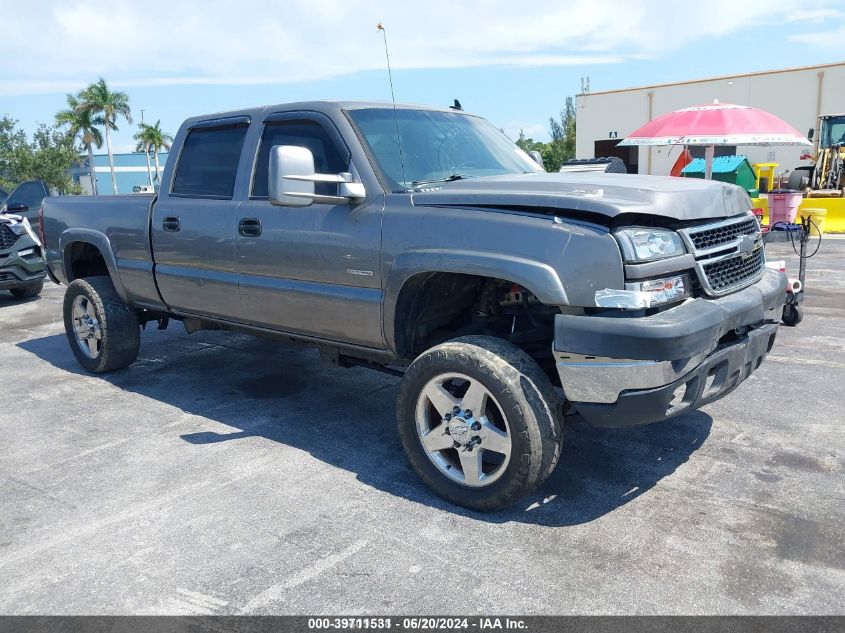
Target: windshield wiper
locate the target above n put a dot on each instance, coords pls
(453, 177)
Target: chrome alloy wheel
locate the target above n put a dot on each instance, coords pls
(463, 430)
(86, 326)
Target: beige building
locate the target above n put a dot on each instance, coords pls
(797, 95)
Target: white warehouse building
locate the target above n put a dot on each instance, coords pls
(796, 95)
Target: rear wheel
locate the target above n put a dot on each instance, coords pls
(103, 332)
(28, 291)
(479, 421)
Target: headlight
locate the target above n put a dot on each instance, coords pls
(645, 294)
(666, 290)
(642, 245)
(17, 228)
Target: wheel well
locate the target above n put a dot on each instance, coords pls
(428, 301)
(85, 260)
(435, 307)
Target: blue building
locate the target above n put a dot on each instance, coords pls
(130, 171)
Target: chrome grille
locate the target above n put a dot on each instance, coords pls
(729, 254)
(733, 272)
(720, 236)
(707, 239)
(7, 238)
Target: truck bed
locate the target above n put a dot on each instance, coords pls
(124, 220)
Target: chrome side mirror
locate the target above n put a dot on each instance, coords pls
(292, 179)
(538, 157)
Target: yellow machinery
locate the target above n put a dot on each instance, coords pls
(823, 182)
(826, 178)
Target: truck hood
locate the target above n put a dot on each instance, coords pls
(591, 193)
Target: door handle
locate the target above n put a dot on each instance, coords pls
(249, 227)
(172, 224)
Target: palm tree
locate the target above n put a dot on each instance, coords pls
(143, 138)
(159, 140)
(106, 106)
(81, 123)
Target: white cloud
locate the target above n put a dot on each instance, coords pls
(830, 31)
(815, 16)
(825, 39)
(58, 46)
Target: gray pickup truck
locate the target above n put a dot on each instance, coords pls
(422, 242)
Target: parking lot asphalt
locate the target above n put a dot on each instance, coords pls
(223, 474)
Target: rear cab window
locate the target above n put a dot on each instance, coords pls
(208, 162)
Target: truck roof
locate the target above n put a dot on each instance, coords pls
(321, 105)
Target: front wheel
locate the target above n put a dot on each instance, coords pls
(479, 421)
(103, 332)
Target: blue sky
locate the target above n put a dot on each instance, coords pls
(512, 63)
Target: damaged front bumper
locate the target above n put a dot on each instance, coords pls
(621, 371)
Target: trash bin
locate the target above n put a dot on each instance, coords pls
(733, 169)
(818, 217)
(783, 205)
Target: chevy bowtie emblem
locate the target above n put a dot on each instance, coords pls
(746, 246)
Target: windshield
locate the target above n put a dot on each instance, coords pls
(833, 132)
(437, 147)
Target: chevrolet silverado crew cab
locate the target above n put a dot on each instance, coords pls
(423, 242)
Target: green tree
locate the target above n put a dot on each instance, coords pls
(13, 144)
(54, 153)
(80, 124)
(528, 144)
(143, 138)
(562, 146)
(106, 105)
(159, 141)
(48, 156)
(151, 138)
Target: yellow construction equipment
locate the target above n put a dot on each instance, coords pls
(826, 177)
(823, 182)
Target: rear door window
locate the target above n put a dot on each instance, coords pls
(208, 163)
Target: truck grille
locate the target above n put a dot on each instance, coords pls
(736, 271)
(7, 238)
(710, 238)
(729, 254)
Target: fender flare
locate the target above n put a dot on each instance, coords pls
(101, 242)
(537, 277)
